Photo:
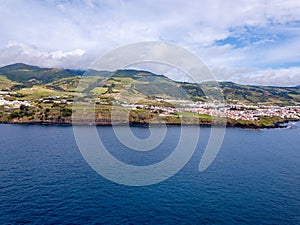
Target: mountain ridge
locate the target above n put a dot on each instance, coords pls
(24, 66)
(19, 76)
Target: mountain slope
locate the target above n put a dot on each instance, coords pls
(18, 76)
(260, 94)
(23, 73)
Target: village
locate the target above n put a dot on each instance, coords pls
(232, 111)
(237, 111)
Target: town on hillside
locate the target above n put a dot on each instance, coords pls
(30, 94)
(174, 108)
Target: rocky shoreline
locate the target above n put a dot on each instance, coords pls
(235, 124)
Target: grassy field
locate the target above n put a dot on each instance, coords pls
(5, 83)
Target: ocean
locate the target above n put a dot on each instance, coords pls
(254, 179)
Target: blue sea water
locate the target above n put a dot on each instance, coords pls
(255, 179)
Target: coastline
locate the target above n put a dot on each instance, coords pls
(229, 124)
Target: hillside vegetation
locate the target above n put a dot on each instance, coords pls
(31, 94)
(18, 77)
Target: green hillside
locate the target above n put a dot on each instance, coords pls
(20, 77)
(23, 73)
(260, 94)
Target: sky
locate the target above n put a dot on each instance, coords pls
(248, 42)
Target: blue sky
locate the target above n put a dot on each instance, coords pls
(256, 42)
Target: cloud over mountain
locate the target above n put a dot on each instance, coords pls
(21, 52)
(237, 35)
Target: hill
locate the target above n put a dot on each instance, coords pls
(23, 73)
(20, 77)
(260, 94)
(31, 94)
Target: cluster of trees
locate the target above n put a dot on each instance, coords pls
(23, 111)
(56, 112)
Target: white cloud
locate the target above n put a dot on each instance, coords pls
(88, 23)
(60, 54)
(73, 33)
(21, 52)
(274, 77)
